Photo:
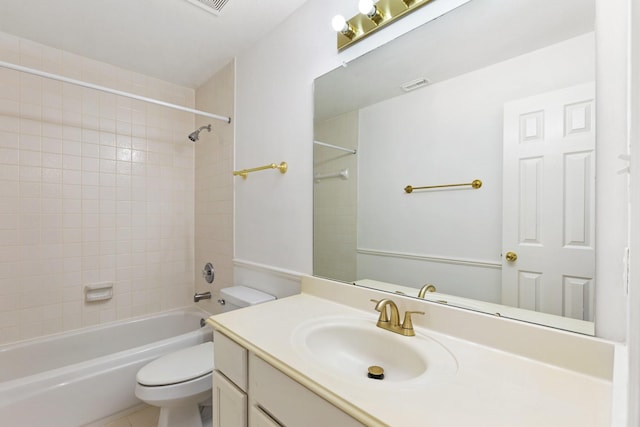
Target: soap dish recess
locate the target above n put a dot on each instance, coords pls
(98, 292)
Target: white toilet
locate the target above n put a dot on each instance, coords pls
(178, 382)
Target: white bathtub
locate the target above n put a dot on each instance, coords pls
(79, 377)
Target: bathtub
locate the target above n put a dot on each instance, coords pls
(79, 377)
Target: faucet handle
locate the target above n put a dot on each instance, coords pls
(383, 311)
(407, 324)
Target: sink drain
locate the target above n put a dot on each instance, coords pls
(376, 372)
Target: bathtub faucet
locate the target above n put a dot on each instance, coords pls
(201, 295)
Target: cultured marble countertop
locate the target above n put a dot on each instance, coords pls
(488, 387)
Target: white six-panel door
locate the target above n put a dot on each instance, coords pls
(549, 202)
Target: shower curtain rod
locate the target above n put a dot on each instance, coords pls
(335, 147)
(109, 90)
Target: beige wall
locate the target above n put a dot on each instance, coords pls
(93, 188)
(214, 186)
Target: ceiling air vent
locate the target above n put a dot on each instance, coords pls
(414, 84)
(212, 6)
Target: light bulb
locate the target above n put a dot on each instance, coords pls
(366, 7)
(339, 23)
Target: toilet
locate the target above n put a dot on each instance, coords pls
(178, 382)
(241, 296)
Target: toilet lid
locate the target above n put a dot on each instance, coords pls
(177, 367)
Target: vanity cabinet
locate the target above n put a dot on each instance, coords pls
(248, 391)
(229, 402)
(230, 379)
(261, 419)
(288, 402)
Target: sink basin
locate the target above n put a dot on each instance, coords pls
(347, 346)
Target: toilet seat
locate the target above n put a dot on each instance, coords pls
(178, 367)
(180, 382)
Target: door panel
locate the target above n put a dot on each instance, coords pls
(549, 202)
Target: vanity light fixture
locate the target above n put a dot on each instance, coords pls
(341, 25)
(369, 9)
(373, 16)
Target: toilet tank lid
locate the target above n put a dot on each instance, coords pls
(243, 296)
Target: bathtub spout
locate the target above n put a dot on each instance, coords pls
(201, 295)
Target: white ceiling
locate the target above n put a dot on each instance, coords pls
(169, 39)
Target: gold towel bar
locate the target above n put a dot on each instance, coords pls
(475, 184)
(244, 172)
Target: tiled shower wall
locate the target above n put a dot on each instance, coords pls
(93, 188)
(214, 186)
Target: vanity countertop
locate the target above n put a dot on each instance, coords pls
(489, 387)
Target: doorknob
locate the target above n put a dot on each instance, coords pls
(511, 256)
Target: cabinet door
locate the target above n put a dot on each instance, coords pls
(229, 403)
(257, 418)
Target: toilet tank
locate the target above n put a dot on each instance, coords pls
(241, 296)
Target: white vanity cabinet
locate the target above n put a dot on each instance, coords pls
(288, 402)
(229, 403)
(229, 383)
(247, 391)
(259, 418)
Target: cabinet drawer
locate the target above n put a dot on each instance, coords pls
(230, 359)
(289, 402)
(257, 418)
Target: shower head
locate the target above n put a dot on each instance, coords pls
(195, 135)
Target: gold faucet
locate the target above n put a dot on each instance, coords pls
(393, 323)
(426, 288)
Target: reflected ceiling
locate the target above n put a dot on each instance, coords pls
(529, 24)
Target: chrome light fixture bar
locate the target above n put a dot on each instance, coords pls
(372, 18)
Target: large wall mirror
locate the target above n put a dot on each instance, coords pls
(497, 91)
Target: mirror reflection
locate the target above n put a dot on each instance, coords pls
(497, 91)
